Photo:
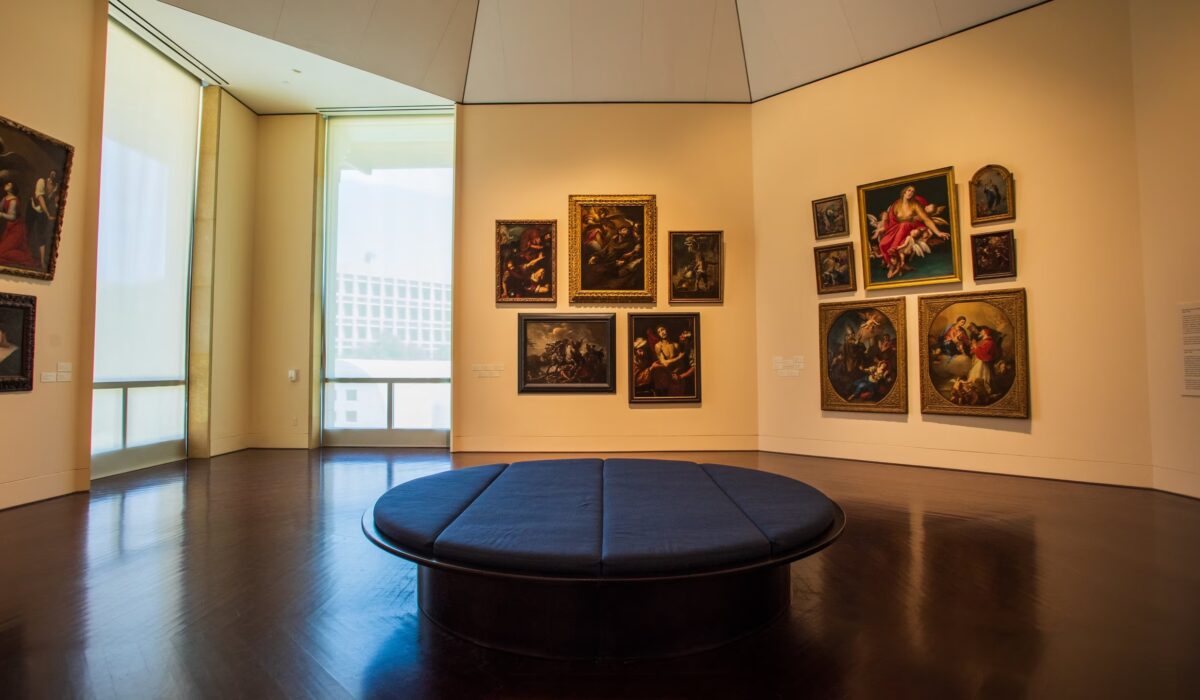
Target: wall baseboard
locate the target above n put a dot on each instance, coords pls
(1078, 470)
(39, 488)
(601, 443)
(277, 441)
(1177, 481)
(225, 445)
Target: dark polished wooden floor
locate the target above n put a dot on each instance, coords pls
(248, 576)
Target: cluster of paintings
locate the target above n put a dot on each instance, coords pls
(34, 170)
(973, 351)
(613, 258)
(909, 231)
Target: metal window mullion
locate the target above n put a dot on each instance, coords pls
(391, 391)
(124, 417)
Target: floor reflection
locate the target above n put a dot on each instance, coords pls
(248, 575)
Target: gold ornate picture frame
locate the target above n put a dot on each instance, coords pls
(864, 360)
(974, 354)
(613, 248)
(993, 195)
(910, 233)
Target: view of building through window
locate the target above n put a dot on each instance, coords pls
(388, 273)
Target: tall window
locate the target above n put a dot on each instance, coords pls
(390, 206)
(147, 184)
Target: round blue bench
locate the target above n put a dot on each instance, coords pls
(603, 558)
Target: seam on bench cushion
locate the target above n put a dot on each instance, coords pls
(458, 515)
(770, 543)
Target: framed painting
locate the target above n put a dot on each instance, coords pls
(566, 353)
(697, 262)
(525, 262)
(34, 170)
(909, 230)
(993, 195)
(835, 268)
(664, 358)
(613, 248)
(831, 217)
(17, 323)
(993, 254)
(974, 356)
(864, 366)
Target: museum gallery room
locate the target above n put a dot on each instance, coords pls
(599, 348)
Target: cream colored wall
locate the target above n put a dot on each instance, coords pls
(282, 272)
(1166, 75)
(231, 397)
(1048, 93)
(523, 162)
(46, 434)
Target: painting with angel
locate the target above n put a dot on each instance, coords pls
(910, 230)
(863, 363)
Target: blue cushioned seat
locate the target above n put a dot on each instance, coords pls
(592, 517)
(540, 517)
(788, 512)
(414, 513)
(662, 516)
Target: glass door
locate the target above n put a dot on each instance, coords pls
(388, 257)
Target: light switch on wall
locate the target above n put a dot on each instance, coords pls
(64, 366)
(293, 375)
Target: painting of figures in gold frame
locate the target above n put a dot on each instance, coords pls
(974, 354)
(993, 195)
(864, 365)
(613, 248)
(909, 230)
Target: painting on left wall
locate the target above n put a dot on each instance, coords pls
(17, 323)
(34, 170)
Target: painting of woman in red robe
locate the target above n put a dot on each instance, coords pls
(14, 236)
(910, 230)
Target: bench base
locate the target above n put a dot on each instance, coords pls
(599, 619)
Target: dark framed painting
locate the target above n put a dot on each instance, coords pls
(831, 216)
(993, 195)
(18, 320)
(613, 248)
(525, 262)
(566, 353)
(974, 356)
(697, 262)
(835, 268)
(664, 358)
(909, 230)
(34, 171)
(864, 365)
(993, 254)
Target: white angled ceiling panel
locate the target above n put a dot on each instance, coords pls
(522, 52)
(500, 51)
(728, 79)
(270, 77)
(425, 44)
(884, 27)
(606, 49)
(956, 15)
(331, 29)
(790, 43)
(259, 17)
